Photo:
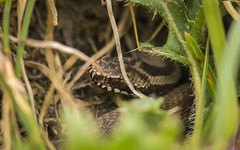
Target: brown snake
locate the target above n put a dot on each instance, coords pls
(148, 74)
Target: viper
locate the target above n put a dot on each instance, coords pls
(149, 74)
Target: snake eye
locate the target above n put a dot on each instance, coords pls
(97, 79)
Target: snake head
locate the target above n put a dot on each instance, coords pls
(107, 75)
(148, 75)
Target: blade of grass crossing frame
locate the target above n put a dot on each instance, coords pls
(198, 55)
(198, 126)
(226, 108)
(6, 15)
(26, 118)
(23, 35)
(215, 28)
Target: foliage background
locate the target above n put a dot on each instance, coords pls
(195, 36)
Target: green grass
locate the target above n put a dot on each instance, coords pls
(23, 35)
(144, 125)
(13, 93)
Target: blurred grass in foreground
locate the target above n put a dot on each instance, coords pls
(144, 125)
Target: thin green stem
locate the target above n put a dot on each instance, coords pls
(23, 35)
(6, 17)
(227, 111)
(215, 28)
(27, 119)
(196, 140)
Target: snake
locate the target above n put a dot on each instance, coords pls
(149, 74)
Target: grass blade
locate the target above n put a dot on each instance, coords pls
(6, 15)
(215, 28)
(227, 107)
(23, 35)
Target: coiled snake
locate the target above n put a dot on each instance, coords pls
(148, 74)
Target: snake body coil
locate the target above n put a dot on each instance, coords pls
(148, 74)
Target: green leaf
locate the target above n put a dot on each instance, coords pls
(143, 126)
(199, 59)
(174, 13)
(6, 43)
(200, 110)
(194, 7)
(198, 25)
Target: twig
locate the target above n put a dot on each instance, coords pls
(228, 5)
(54, 13)
(238, 3)
(5, 123)
(91, 60)
(75, 52)
(134, 24)
(93, 45)
(53, 45)
(119, 51)
(29, 89)
(101, 52)
(158, 29)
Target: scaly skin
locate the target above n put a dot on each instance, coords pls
(148, 74)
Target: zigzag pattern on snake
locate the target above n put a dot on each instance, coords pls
(148, 74)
